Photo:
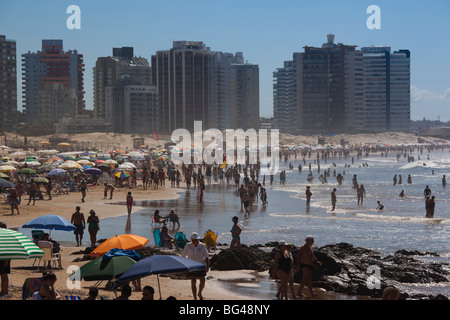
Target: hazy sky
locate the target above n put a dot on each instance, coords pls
(267, 32)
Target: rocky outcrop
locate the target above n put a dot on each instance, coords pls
(346, 269)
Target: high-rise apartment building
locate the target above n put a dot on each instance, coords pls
(8, 84)
(197, 84)
(132, 108)
(51, 65)
(123, 93)
(55, 102)
(386, 89)
(245, 95)
(182, 76)
(109, 71)
(341, 89)
(284, 98)
(323, 83)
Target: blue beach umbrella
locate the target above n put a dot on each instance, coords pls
(50, 221)
(56, 171)
(159, 264)
(93, 171)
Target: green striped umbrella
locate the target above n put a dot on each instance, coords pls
(15, 245)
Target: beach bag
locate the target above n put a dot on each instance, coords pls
(36, 296)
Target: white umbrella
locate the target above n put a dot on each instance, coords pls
(110, 161)
(127, 165)
(7, 168)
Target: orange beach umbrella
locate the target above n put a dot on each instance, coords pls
(124, 241)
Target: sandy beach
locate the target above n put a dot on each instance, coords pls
(64, 205)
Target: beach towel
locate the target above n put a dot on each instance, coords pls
(30, 286)
(121, 252)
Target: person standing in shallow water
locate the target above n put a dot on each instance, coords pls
(308, 194)
(333, 199)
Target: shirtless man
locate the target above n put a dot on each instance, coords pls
(361, 193)
(306, 259)
(33, 192)
(79, 222)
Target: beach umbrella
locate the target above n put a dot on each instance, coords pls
(31, 163)
(93, 171)
(15, 245)
(7, 168)
(6, 184)
(70, 166)
(110, 162)
(103, 268)
(127, 165)
(4, 176)
(41, 180)
(103, 167)
(45, 168)
(124, 241)
(11, 163)
(122, 174)
(51, 222)
(56, 171)
(27, 171)
(159, 264)
(64, 144)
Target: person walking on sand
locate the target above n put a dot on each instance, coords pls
(14, 200)
(80, 224)
(33, 189)
(306, 259)
(83, 189)
(197, 251)
(308, 196)
(93, 227)
(235, 233)
(333, 199)
(129, 202)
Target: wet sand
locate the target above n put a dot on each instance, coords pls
(220, 285)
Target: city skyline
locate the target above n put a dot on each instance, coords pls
(267, 32)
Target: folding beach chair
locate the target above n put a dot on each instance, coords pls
(180, 239)
(158, 241)
(155, 223)
(210, 239)
(30, 286)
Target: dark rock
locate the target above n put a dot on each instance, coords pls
(345, 269)
(241, 258)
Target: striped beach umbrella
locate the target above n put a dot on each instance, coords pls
(15, 245)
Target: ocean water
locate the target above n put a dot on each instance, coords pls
(401, 225)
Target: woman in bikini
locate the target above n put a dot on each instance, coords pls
(284, 265)
(235, 233)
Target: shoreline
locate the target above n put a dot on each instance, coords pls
(220, 285)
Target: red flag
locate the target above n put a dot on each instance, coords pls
(155, 136)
